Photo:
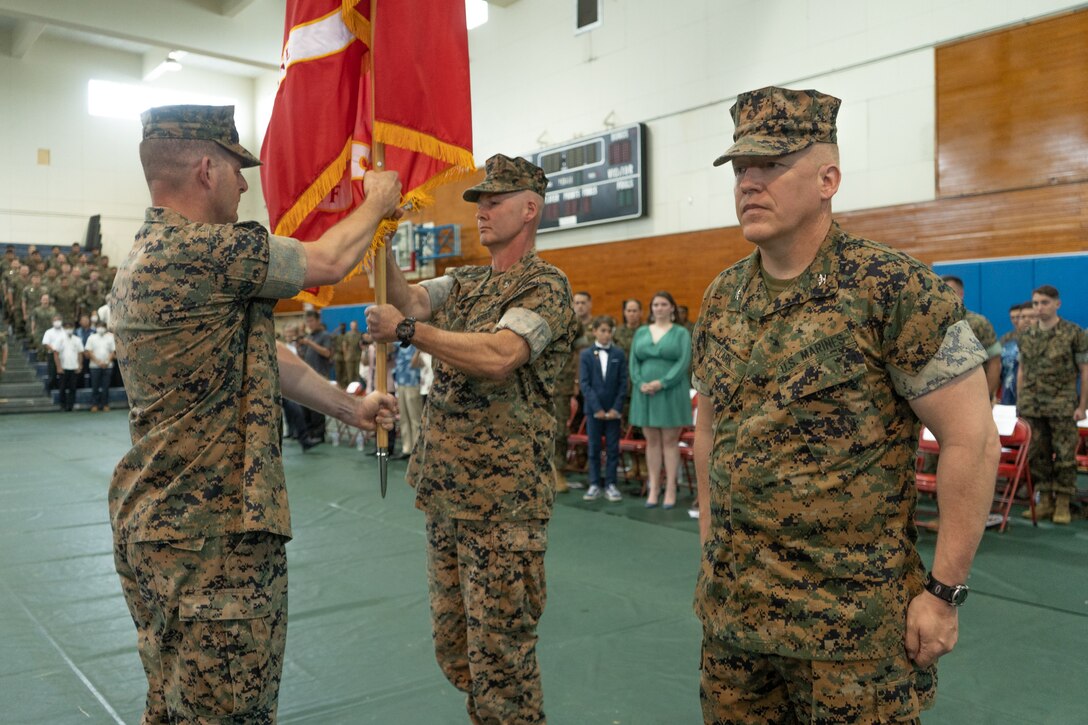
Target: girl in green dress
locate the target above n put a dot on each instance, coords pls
(660, 393)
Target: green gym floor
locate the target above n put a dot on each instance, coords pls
(619, 644)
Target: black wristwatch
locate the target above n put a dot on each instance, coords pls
(406, 330)
(954, 595)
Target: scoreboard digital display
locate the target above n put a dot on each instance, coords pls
(594, 180)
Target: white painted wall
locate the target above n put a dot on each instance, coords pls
(679, 66)
(94, 162)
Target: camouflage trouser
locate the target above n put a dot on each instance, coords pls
(1053, 453)
(211, 624)
(740, 687)
(562, 415)
(340, 370)
(351, 370)
(487, 595)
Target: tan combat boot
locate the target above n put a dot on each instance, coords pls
(561, 485)
(1044, 509)
(1061, 509)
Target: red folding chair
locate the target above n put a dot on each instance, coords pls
(577, 440)
(1082, 450)
(1082, 457)
(687, 455)
(925, 473)
(633, 445)
(1013, 472)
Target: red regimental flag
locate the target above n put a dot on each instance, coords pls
(318, 144)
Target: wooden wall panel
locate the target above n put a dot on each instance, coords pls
(682, 264)
(1012, 108)
(1015, 223)
(1031, 221)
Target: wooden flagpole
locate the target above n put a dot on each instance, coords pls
(377, 151)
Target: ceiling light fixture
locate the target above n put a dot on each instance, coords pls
(172, 64)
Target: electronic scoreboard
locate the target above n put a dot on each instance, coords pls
(594, 180)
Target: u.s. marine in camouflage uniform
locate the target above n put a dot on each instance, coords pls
(813, 359)
(350, 342)
(567, 390)
(482, 467)
(30, 298)
(198, 505)
(337, 350)
(1053, 355)
(66, 300)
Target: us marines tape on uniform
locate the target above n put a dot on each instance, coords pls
(809, 562)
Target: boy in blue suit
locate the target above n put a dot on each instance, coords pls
(603, 379)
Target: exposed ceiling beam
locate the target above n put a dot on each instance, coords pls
(230, 8)
(152, 59)
(252, 38)
(23, 36)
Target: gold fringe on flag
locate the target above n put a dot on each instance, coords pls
(357, 23)
(309, 199)
(419, 142)
(419, 198)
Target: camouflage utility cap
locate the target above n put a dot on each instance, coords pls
(197, 123)
(778, 121)
(508, 174)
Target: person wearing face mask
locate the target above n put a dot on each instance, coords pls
(50, 346)
(84, 329)
(100, 352)
(68, 356)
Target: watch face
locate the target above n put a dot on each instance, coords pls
(959, 595)
(406, 329)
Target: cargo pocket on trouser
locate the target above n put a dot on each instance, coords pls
(224, 652)
(516, 590)
(502, 643)
(897, 702)
(866, 691)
